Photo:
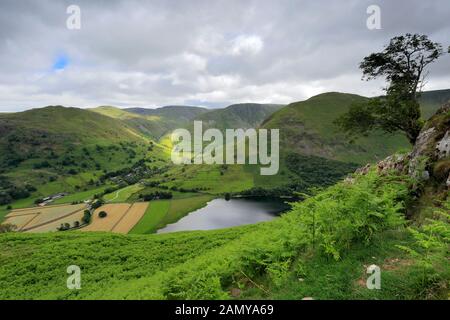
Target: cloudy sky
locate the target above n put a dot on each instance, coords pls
(210, 53)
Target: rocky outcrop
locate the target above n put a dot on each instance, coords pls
(430, 156)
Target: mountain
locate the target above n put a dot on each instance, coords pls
(177, 113)
(153, 123)
(307, 128)
(243, 115)
(57, 149)
(153, 126)
(433, 100)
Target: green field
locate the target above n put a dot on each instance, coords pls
(163, 212)
(155, 213)
(80, 196)
(123, 194)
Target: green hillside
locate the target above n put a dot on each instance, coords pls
(244, 115)
(307, 128)
(153, 126)
(432, 100)
(176, 113)
(56, 149)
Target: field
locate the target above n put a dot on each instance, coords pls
(211, 178)
(41, 219)
(80, 196)
(121, 217)
(152, 217)
(163, 212)
(53, 226)
(133, 215)
(123, 194)
(136, 218)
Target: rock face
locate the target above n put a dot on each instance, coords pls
(430, 156)
(443, 147)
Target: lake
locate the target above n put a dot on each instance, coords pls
(220, 213)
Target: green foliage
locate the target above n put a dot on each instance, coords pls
(432, 246)
(87, 216)
(316, 171)
(351, 212)
(403, 64)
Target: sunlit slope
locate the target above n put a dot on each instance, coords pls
(153, 126)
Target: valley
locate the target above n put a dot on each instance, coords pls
(112, 202)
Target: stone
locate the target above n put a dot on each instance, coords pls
(443, 146)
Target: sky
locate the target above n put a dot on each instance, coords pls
(206, 53)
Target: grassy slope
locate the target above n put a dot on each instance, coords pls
(34, 266)
(53, 134)
(244, 115)
(307, 128)
(155, 213)
(123, 194)
(208, 264)
(154, 126)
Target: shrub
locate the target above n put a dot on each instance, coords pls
(431, 247)
(97, 204)
(346, 213)
(86, 217)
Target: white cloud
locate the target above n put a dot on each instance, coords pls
(244, 44)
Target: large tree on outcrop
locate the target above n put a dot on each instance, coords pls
(402, 64)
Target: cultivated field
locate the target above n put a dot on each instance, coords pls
(53, 226)
(131, 218)
(43, 219)
(121, 217)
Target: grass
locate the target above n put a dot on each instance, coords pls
(34, 266)
(163, 212)
(324, 279)
(209, 178)
(3, 213)
(123, 194)
(155, 213)
(180, 207)
(80, 196)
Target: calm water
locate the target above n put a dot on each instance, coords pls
(220, 213)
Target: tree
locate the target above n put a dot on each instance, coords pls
(86, 217)
(403, 65)
(102, 214)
